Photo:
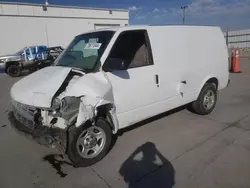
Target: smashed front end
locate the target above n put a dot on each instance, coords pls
(49, 114)
(27, 121)
(46, 126)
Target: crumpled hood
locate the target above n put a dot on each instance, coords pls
(39, 88)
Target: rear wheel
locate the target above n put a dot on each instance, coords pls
(206, 101)
(13, 70)
(88, 144)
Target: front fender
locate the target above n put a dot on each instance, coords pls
(88, 110)
(205, 80)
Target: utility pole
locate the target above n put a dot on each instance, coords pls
(183, 8)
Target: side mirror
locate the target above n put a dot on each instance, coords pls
(114, 64)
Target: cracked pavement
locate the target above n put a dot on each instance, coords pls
(175, 149)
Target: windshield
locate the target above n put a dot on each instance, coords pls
(85, 50)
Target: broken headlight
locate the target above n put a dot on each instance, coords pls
(69, 107)
(66, 108)
(55, 108)
(56, 103)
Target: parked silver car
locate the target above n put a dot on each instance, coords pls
(14, 63)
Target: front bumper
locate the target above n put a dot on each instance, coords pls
(2, 67)
(44, 135)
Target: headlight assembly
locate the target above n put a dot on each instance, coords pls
(66, 108)
(70, 103)
(70, 107)
(56, 103)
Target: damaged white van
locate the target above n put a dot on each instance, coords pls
(109, 79)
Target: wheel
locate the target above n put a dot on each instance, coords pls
(206, 101)
(14, 70)
(88, 144)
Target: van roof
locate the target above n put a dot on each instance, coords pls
(132, 27)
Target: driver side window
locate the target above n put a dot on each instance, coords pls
(133, 48)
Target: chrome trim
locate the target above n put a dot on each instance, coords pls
(24, 113)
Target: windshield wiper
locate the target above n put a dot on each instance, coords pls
(76, 68)
(81, 69)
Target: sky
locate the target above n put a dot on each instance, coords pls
(228, 14)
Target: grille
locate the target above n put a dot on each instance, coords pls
(24, 113)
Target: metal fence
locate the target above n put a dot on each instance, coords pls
(238, 38)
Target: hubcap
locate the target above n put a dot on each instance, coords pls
(13, 70)
(91, 142)
(209, 100)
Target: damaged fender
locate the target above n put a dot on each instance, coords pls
(51, 88)
(86, 110)
(94, 90)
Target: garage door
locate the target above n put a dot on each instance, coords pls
(103, 26)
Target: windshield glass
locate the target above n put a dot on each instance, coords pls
(85, 50)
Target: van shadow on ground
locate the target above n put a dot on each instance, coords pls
(146, 167)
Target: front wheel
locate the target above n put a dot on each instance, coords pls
(88, 144)
(14, 70)
(206, 101)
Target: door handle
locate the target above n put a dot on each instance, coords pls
(157, 80)
(184, 82)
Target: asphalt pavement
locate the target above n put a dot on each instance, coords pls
(175, 149)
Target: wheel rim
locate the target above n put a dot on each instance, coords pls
(13, 70)
(209, 99)
(91, 142)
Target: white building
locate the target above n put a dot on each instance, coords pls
(23, 24)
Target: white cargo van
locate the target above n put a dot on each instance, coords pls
(109, 79)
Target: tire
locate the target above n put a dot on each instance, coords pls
(202, 106)
(75, 143)
(14, 70)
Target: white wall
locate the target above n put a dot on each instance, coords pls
(26, 24)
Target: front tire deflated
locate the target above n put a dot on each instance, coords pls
(89, 143)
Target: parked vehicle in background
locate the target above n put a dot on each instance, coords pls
(110, 79)
(14, 64)
(51, 55)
